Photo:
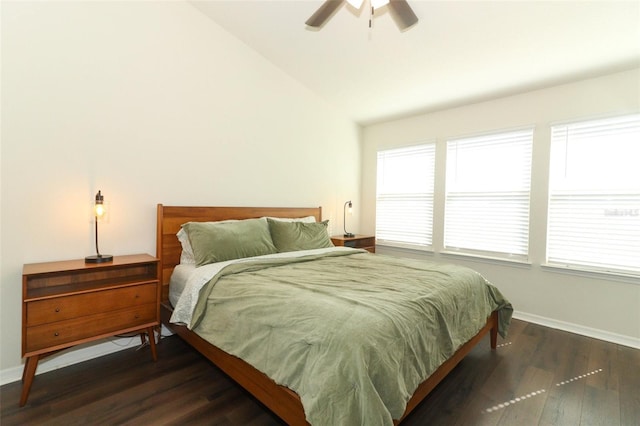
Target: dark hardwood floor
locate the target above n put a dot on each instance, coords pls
(538, 376)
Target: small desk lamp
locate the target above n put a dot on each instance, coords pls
(344, 218)
(99, 211)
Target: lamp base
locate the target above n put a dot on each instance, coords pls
(349, 235)
(98, 258)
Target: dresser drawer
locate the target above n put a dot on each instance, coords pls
(79, 305)
(72, 302)
(72, 330)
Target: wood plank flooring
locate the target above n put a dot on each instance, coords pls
(538, 376)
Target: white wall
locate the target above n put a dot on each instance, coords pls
(151, 102)
(596, 305)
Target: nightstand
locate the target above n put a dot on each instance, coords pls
(72, 302)
(366, 242)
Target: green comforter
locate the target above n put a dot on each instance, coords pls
(353, 334)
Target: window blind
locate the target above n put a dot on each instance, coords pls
(594, 195)
(404, 199)
(487, 194)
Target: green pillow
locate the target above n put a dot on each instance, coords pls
(293, 236)
(220, 241)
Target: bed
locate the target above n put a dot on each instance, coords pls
(282, 400)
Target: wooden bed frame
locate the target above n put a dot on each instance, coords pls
(282, 401)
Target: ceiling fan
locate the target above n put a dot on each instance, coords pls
(400, 10)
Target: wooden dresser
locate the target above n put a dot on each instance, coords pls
(72, 302)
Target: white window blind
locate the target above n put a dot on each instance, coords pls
(404, 199)
(594, 195)
(487, 194)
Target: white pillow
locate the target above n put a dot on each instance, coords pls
(186, 257)
(308, 219)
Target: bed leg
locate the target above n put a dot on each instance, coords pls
(494, 337)
(494, 330)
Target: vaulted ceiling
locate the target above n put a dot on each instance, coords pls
(459, 52)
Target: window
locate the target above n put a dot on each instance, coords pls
(404, 199)
(594, 195)
(487, 194)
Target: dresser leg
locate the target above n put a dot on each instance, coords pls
(27, 377)
(152, 343)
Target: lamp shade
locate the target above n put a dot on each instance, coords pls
(98, 207)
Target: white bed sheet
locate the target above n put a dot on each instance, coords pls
(178, 281)
(188, 288)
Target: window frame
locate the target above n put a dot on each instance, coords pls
(529, 132)
(581, 266)
(380, 238)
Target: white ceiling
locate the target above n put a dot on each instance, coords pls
(459, 52)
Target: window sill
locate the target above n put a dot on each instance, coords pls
(518, 262)
(400, 246)
(467, 256)
(592, 273)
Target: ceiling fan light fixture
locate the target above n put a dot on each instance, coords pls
(399, 10)
(379, 3)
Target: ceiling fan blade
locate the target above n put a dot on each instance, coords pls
(324, 13)
(402, 13)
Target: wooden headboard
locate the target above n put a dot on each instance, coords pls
(170, 218)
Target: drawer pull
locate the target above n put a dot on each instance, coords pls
(57, 309)
(56, 334)
(137, 316)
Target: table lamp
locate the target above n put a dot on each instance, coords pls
(344, 217)
(99, 211)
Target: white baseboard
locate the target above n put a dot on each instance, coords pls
(75, 355)
(619, 339)
(71, 356)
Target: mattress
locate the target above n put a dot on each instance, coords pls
(189, 279)
(353, 334)
(178, 281)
